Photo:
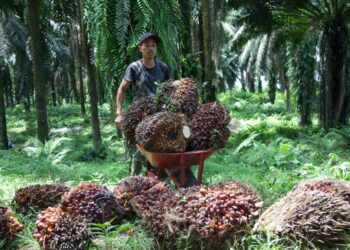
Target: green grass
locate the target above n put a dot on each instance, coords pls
(270, 152)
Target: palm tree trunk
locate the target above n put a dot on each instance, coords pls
(58, 87)
(250, 81)
(73, 81)
(8, 88)
(335, 77)
(259, 84)
(288, 98)
(53, 91)
(81, 60)
(201, 45)
(37, 44)
(100, 88)
(81, 90)
(283, 81)
(242, 80)
(3, 128)
(92, 88)
(272, 87)
(209, 88)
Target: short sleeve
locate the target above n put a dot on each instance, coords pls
(129, 74)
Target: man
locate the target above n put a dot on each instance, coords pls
(143, 76)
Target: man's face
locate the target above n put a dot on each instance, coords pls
(148, 48)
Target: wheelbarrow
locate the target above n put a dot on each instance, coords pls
(171, 161)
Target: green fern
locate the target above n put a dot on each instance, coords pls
(48, 150)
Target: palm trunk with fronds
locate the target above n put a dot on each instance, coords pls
(37, 44)
(250, 81)
(3, 128)
(209, 88)
(53, 91)
(272, 86)
(335, 86)
(92, 88)
(301, 71)
(242, 80)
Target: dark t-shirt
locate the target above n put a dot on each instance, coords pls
(143, 80)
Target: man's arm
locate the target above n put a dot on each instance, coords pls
(124, 85)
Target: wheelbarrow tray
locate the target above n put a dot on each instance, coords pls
(170, 161)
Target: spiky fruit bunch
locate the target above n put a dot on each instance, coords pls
(137, 111)
(163, 132)
(56, 229)
(180, 96)
(9, 226)
(95, 202)
(209, 127)
(131, 187)
(39, 196)
(314, 218)
(153, 204)
(328, 186)
(216, 214)
(186, 96)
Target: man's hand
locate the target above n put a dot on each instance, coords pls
(118, 120)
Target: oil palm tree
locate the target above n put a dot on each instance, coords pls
(3, 127)
(327, 21)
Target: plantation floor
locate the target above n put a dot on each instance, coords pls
(268, 150)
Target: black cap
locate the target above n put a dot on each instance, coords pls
(148, 35)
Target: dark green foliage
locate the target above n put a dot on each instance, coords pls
(115, 27)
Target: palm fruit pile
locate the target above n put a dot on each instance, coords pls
(134, 115)
(153, 204)
(328, 186)
(131, 187)
(95, 202)
(163, 132)
(209, 127)
(215, 215)
(313, 217)
(180, 96)
(57, 230)
(9, 226)
(39, 196)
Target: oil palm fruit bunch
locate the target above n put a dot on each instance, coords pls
(163, 132)
(137, 111)
(327, 185)
(95, 202)
(180, 96)
(58, 230)
(153, 204)
(39, 196)
(313, 218)
(9, 226)
(209, 127)
(215, 215)
(131, 187)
